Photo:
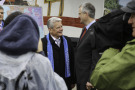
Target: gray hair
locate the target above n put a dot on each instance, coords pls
(51, 21)
(89, 8)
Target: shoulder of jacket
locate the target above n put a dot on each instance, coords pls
(67, 38)
(44, 39)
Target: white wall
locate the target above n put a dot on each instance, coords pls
(71, 10)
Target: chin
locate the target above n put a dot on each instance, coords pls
(60, 35)
(133, 34)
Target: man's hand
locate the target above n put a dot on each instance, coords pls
(72, 86)
(89, 86)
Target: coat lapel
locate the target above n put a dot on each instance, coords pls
(86, 34)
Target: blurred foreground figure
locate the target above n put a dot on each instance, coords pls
(21, 68)
(116, 68)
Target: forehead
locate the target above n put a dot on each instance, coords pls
(57, 23)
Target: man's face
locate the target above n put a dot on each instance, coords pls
(57, 30)
(82, 16)
(132, 22)
(1, 14)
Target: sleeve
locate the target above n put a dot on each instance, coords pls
(115, 71)
(96, 79)
(44, 77)
(72, 61)
(44, 43)
(55, 82)
(60, 82)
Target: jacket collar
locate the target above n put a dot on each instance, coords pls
(132, 41)
(86, 34)
(52, 40)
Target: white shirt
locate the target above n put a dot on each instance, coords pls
(87, 27)
(57, 41)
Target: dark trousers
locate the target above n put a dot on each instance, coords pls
(68, 83)
(81, 87)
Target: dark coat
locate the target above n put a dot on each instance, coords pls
(59, 58)
(83, 56)
(113, 30)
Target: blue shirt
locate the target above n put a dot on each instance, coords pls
(87, 27)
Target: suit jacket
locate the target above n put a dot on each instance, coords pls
(59, 58)
(84, 62)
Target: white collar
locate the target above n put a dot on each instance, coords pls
(54, 38)
(87, 27)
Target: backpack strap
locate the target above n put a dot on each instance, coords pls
(17, 82)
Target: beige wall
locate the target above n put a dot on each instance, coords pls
(71, 10)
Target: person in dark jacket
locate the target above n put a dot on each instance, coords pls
(59, 50)
(83, 52)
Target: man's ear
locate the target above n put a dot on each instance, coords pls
(87, 14)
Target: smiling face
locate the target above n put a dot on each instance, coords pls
(57, 30)
(132, 22)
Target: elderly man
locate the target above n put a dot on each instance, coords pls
(59, 50)
(116, 68)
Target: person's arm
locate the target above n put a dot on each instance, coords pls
(44, 45)
(115, 70)
(72, 62)
(55, 81)
(106, 57)
(44, 77)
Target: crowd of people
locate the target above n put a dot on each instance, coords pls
(103, 58)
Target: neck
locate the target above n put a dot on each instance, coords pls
(56, 37)
(89, 20)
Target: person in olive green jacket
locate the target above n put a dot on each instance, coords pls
(116, 69)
